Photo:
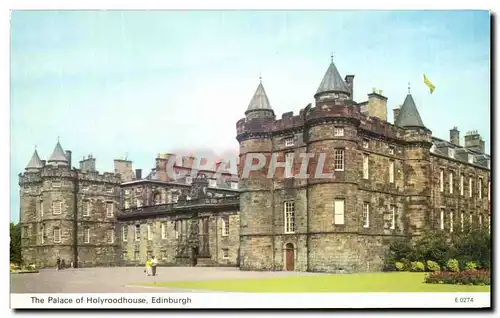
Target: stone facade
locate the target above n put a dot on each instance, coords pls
(386, 183)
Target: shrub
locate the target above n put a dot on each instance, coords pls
(479, 277)
(400, 266)
(433, 266)
(470, 266)
(417, 266)
(452, 265)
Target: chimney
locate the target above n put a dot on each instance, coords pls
(68, 157)
(87, 164)
(455, 136)
(187, 161)
(124, 168)
(474, 142)
(138, 174)
(349, 79)
(377, 105)
(44, 162)
(395, 113)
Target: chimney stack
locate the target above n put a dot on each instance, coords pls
(474, 142)
(377, 105)
(138, 174)
(68, 157)
(349, 79)
(455, 136)
(395, 113)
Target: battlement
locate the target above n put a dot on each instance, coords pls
(65, 173)
(332, 109)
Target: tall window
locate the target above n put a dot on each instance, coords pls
(442, 219)
(441, 180)
(339, 159)
(366, 214)
(126, 204)
(338, 131)
(86, 235)
(391, 171)
(339, 211)
(289, 164)
(86, 208)
(138, 203)
(110, 236)
(57, 235)
(56, 207)
(42, 233)
(365, 166)
(150, 233)
(393, 217)
(461, 184)
(470, 219)
(225, 226)
(163, 231)
(462, 221)
(451, 221)
(289, 141)
(41, 207)
(470, 187)
(289, 207)
(480, 188)
(125, 233)
(177, 228)
(451, 182)
(366, 143)
(480, 220)
(137, 232)
(109, 209)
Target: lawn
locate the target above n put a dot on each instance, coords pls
(366, 282)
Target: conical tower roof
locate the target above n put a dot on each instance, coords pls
(35, 162)
(333, 82)
(408, 115)
(259, 100)
(58, 155)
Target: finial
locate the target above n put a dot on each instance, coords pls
(260, 77)
(409, 84)
(35, 147)
(331, 57)
(57, 138)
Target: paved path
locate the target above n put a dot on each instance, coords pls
(119, 279)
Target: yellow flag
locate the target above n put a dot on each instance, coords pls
(429, 84)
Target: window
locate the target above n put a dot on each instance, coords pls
(289, 209)
(225, 226)
(339, 211)
(366, 143)
(85, 187)
(225, 253)
(163, 231)
(56, 184)
(85, 208)
(138, 203)
(451, 152)
(86, 235)
(462, 221)
(234, 185)
(441, 180)
(461, 184)
(289, 165)
(109, 209)
(189, 180)
(339, 159)
(365, 166)
(480, 219)
(366, 214)
(57, 235)
(289, 141)
(451, 221)
(470, 219)
(338, 131)
(137, 232)
(470, 187)
(110, 236)
(212, 183)
(480, 188)
(391, 150)
(150, 233)
(470, 158)
(56, 207)
(442, 219)
(41, 207)
(176, 228)
(127, 192)
(25, 232)
(175, 198)
(42, 233)
(126, 204)
(136, 255)
(391, 171)
(451, 182)
(393, 217)
(109, 189)
(124, 233)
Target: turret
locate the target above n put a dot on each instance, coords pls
(259, 106)
(35, 164)
(58, 157)
(333, 87)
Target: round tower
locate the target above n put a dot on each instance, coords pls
(332, 136)
(256, 222)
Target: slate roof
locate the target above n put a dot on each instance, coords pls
(408, 115)
(259, 100)
(58, 154)
(333, 82)
(35, 162)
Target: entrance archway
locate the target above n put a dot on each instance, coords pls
(289, 257)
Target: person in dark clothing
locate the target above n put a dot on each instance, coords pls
(58, 263)
(63, 264)
(154, 263)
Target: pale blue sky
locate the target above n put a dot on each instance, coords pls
(111, 83)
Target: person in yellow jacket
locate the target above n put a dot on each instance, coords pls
(148, 267)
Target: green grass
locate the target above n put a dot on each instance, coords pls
(366, 282)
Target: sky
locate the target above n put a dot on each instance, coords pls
(133, 84)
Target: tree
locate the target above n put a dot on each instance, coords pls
(15, 243)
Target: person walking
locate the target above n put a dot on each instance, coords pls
(58, 262)
(154, 263)
(148, 267)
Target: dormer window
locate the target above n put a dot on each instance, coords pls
(234, 185)
(366, 143)
(289, 141)
(470, 158)
(212, 183)
(338, 131)
(451, 152)
(391, 150)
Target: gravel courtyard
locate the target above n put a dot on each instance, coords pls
(119, 279)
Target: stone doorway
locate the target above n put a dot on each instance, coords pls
(289, 257)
